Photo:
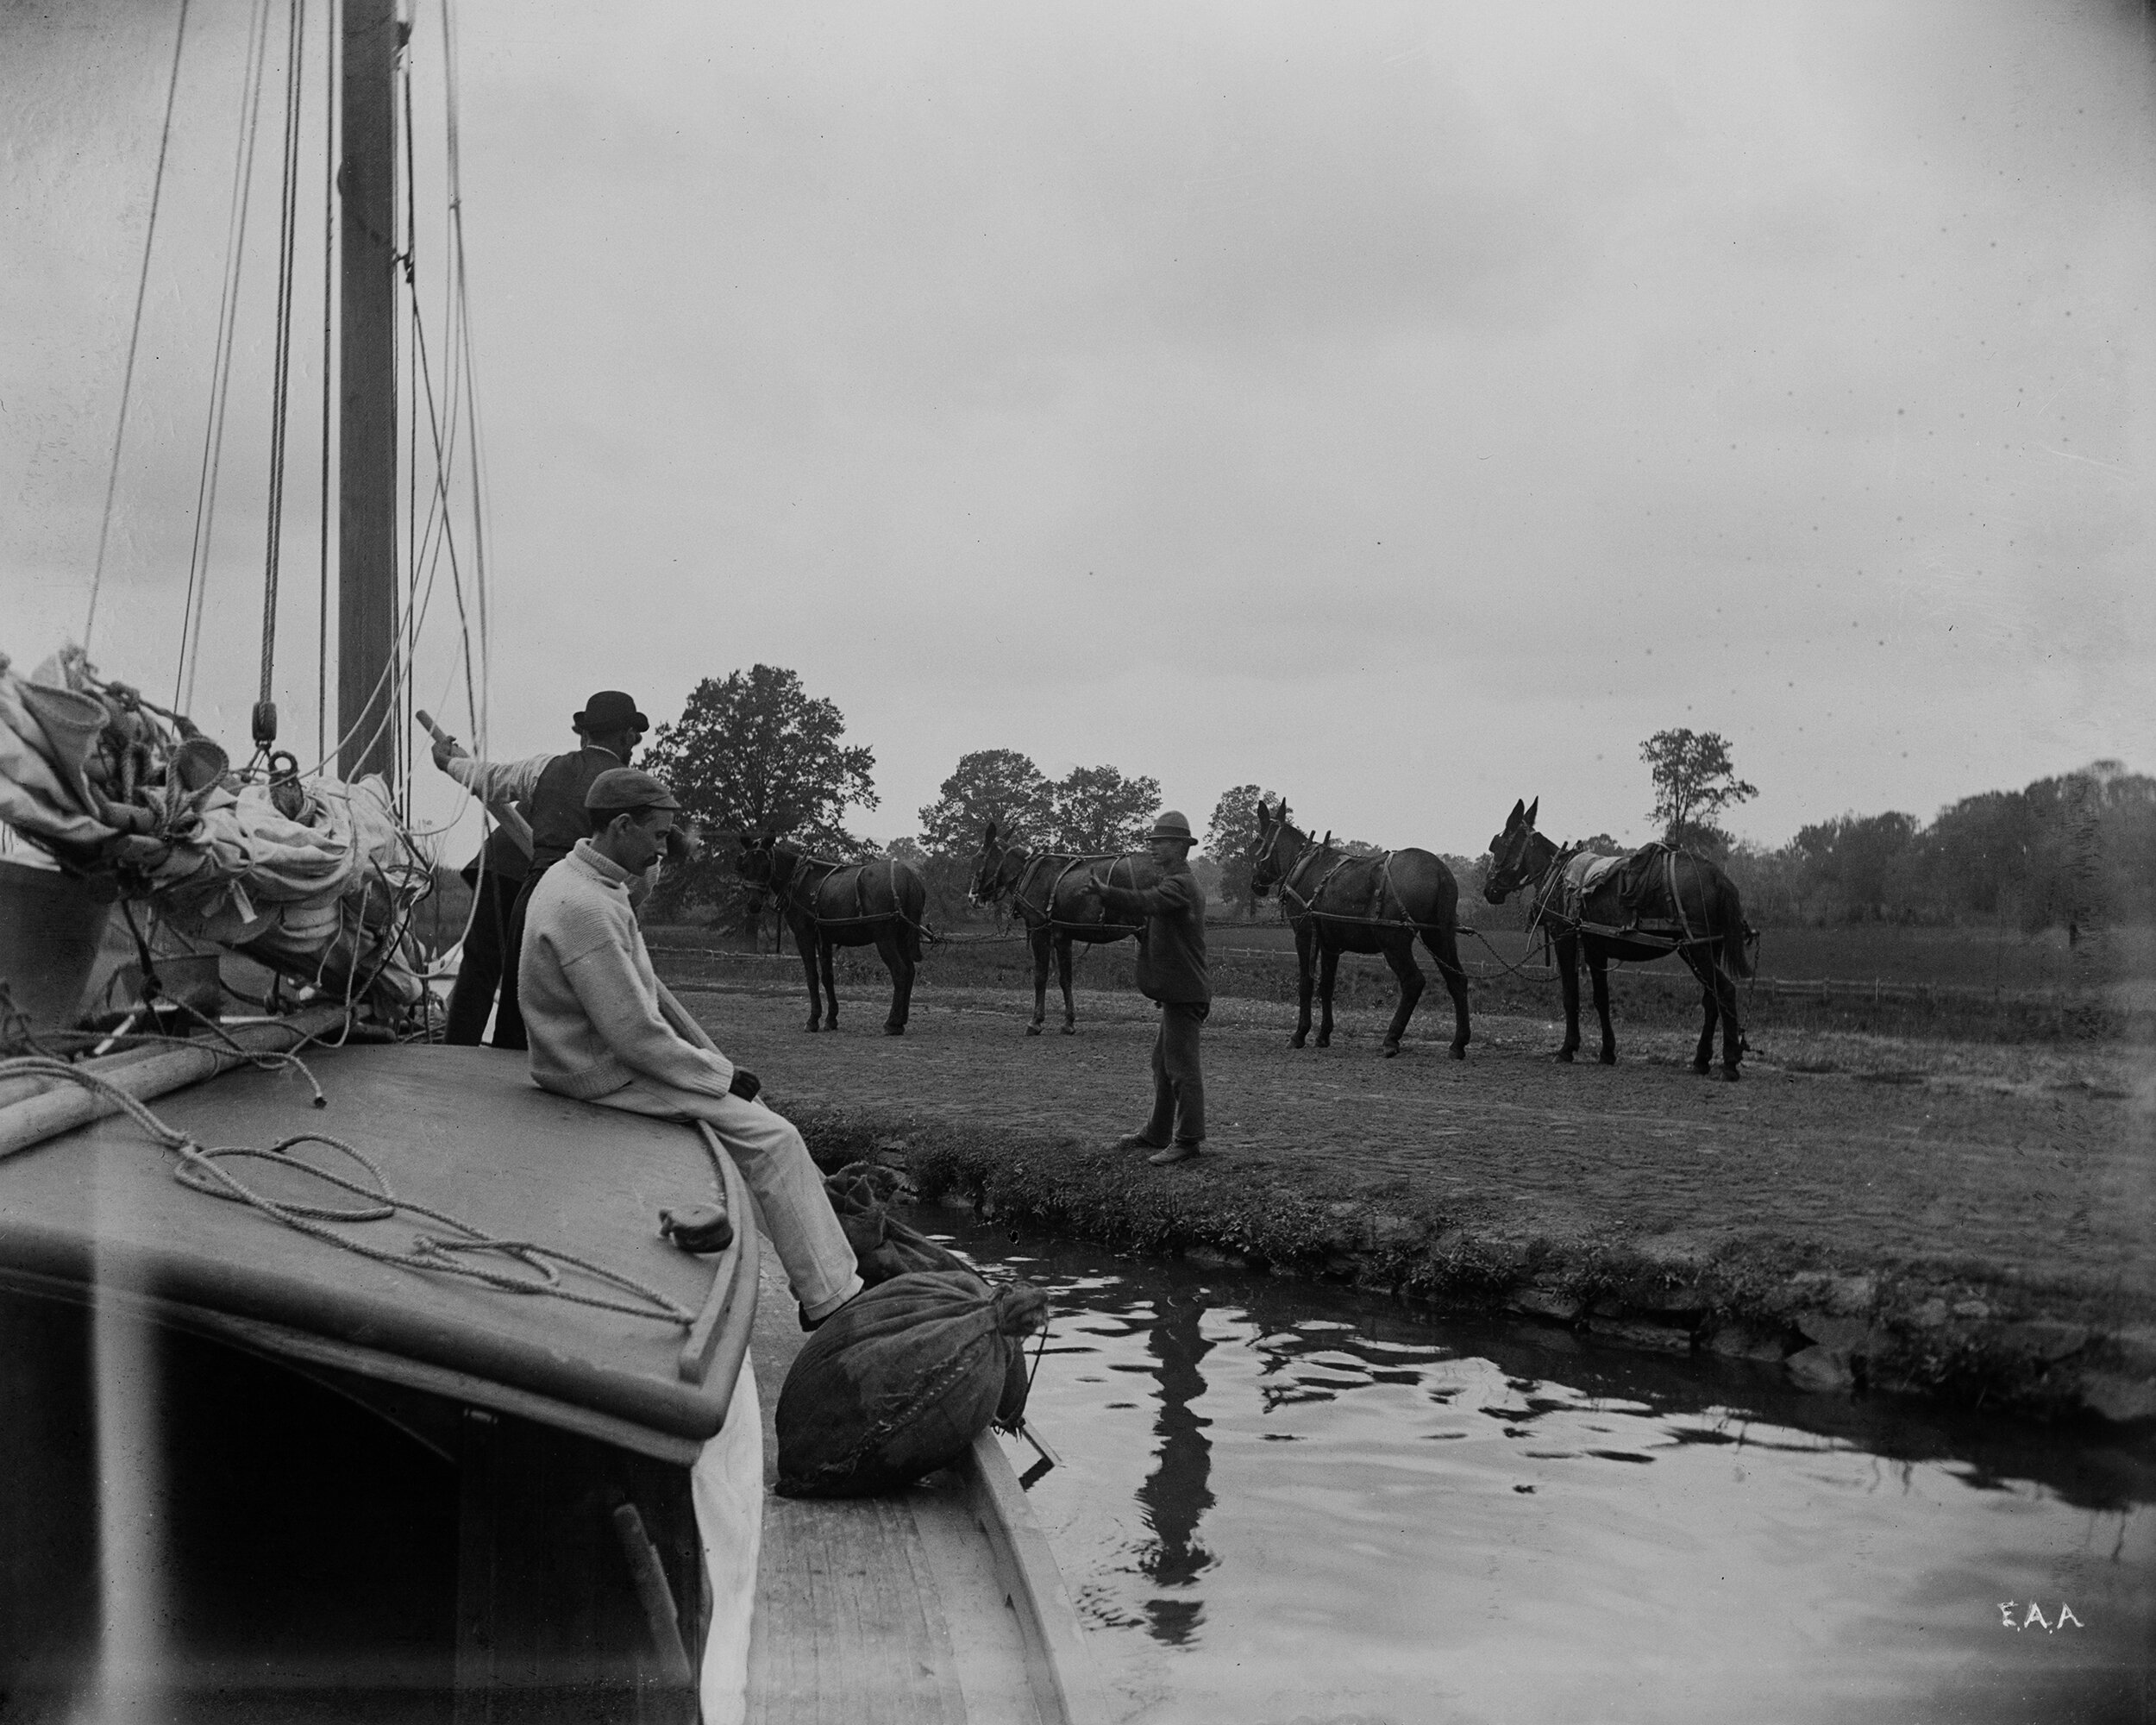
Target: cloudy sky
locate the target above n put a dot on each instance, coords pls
(1407, 407)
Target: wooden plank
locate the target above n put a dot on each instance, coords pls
(1064, 1677)
(14, 1090)
(66, 1106)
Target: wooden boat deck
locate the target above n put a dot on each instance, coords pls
(898, 1610)
(942, 1605)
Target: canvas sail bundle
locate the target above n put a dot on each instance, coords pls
(316, 880)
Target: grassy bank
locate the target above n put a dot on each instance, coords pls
(1965, 1333)
(1920, 982)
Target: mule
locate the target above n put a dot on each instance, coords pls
(1634, 909)
(829, 905)
(1055, 893)
(1336, 903)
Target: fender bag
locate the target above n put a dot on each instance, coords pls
(897, 1382)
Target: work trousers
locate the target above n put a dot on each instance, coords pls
(509, 1018)
(1178, 1090)
(772, 1158)
(480, 971)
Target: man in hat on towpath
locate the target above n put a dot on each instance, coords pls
(1171, 969)
(550, 790)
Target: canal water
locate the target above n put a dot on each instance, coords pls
(1281, 1504)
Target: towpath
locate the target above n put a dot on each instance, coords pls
(1936, 1213)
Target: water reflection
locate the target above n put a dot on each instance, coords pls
(1321, 1504)
(1177, 1494)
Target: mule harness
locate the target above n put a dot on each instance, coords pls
(1048, 918)
(1546, 912)
(800, 895)
(1312, 851)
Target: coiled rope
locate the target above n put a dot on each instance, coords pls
(201, 1169)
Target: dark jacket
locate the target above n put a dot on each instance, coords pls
(558, 816)
(1171, 947)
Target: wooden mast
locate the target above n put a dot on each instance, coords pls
(367, 541)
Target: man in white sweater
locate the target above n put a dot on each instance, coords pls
(604, 1029)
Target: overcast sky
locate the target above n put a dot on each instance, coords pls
(1406, 407)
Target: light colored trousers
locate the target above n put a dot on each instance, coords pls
(772, 1158)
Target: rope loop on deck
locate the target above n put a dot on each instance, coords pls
(201, 1169)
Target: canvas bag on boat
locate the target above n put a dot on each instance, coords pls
(898, 1381)
(861, 1194)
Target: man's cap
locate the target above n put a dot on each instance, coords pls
(1172, 824)
(609, 709)
(620, 790)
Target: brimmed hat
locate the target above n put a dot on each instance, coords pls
(1171, 824)
(609, 709)
(621, 790)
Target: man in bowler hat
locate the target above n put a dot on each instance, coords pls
(1171, 969)
(551, 789)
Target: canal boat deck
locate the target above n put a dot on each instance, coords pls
(898, 1608)
(943, 1604)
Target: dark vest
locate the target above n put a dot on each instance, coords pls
(558, 816)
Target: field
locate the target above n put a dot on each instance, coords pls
(1961, 983)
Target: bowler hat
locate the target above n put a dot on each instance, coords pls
(620, 790)
(1171, 824)
(608, 710)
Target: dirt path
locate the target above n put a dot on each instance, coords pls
(1975, 1182)
(1993, 1159)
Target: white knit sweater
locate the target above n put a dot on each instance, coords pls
(589, 995)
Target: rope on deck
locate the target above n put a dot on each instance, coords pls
(201, 1169)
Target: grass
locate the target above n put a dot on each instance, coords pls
(1990, 986)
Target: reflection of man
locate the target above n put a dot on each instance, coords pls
(608, 730)
(1171, 969)
(604, 1030)
(1177, 1495)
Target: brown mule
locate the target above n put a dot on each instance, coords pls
(1055, 893)
(1636, 909)
(1336, 903)
(830, 904)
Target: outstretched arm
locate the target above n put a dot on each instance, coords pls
(1175, 892)
(495, 781)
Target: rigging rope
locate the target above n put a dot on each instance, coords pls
(280, 386)
(228, 309)
(134, 333)
(329, 367)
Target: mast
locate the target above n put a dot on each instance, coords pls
(366, 346)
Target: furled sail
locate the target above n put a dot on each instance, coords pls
(314, 878)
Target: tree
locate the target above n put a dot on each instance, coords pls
(1857, 858)
(757, 753)
(990, 784)
(1230, 836)
(1098, 809)
(1694, 782)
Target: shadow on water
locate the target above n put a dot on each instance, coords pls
(1320, 1499)
(1175, 1495)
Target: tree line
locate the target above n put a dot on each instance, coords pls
(754, 752)
(2072, 852)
